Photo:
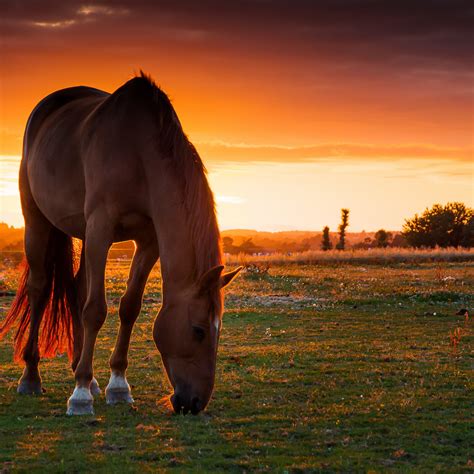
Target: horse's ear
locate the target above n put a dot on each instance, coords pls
(228, 277)
(210, 278)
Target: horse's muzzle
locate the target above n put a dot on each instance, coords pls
(183, 402)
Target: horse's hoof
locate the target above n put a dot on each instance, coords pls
(118, 396)
(29, 387)
(95, 389)
(118, 390)
(80, 402)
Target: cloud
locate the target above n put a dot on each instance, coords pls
(54, 24)
(91, 10)
(398, 32)
(54, 16)
(220, 151)
(363, 62)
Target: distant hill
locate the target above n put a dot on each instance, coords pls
(234, 241)
(253, 241)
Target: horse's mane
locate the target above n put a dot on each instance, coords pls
(198, 197)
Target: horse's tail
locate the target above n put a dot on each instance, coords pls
(56, 331)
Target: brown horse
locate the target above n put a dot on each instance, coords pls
(105, 168)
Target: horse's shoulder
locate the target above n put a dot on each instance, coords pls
(140, 89)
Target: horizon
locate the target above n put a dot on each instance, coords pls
(284, 231)
(296, 110)
(10, 210)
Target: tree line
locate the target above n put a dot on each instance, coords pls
(451, 225)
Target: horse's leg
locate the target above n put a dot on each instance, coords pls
(146, 255)
(80, 284)
(38, 288)
(99, 236)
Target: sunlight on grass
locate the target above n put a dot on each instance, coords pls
(348, 367)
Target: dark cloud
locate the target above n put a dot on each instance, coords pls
(356, 69)
(404, 32)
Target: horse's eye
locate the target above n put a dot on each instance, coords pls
(199, 333)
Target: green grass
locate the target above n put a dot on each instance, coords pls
(320, 369)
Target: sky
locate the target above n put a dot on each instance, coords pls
(298, 108)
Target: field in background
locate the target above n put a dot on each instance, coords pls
(343, 366)
(369, 256)
(376, 256)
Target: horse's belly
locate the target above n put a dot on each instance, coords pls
(58, 190)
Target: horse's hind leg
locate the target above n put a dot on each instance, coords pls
(146, 255)
(99, 236)
(38, 288)
(79, 298)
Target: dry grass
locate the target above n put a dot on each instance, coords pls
(375, 256)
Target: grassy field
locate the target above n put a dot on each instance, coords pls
(321, 368)
(379, 256)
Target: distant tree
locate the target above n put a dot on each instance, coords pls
(228, 245)
(326, 242)
(399, 241)
(248, 247)
(341, 245)
(467, 239)
(444, 226)
(364, 244)
(382, 238)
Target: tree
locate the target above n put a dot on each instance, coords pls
(341, 245)
(382, 238)
(326, 242)
(228, 245)
(467, 239)
(399, 241)
(248, 247)
(444, 226)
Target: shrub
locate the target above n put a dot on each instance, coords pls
(451, 225)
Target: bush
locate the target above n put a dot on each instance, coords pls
(448, 226)
(382, 238)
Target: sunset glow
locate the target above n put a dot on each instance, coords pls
(296, 111)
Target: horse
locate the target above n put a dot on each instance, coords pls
(105, 168)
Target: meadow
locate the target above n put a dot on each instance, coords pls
(360, 366)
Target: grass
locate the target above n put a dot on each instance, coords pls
(321, 368)
(375, 256)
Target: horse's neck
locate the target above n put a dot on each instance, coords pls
(176, 246)
(171, 225)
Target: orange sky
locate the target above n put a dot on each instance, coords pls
(301, 91)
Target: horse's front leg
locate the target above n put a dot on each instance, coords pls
(146, 255)
(99, 235)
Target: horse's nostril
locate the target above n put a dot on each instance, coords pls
(183, 402)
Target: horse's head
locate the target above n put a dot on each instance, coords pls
(186, 333)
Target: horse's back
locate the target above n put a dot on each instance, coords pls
(54, 102)
(51, 173)
(84, 148)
